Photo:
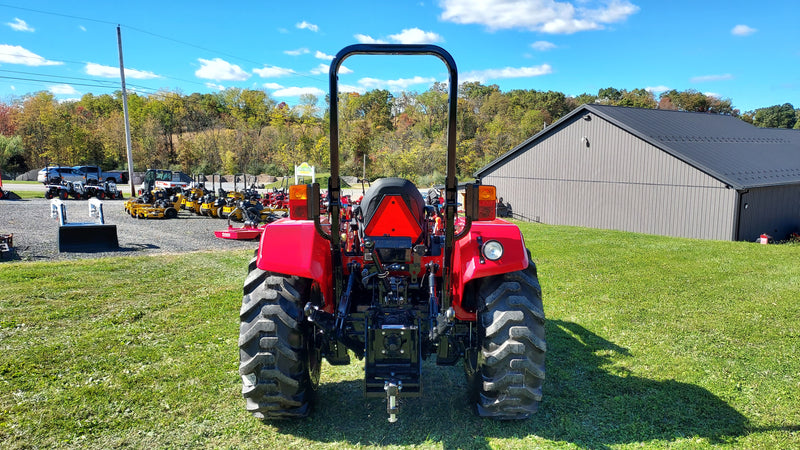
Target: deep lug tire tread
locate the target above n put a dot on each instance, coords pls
(273, 347)
(507, 371)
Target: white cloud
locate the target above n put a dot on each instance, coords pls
(656, 89)
(220, 70)
(325, 56)
(20, 25)
(712, 94)
(299, 51)
(298, 91)
(742, 30)
(365, 39)
(215, 86)
(81, 27)
(307, 26)
(398, 84)
(416, 36)
(507, 72)
(273, 71)
(323, 69)
(320, 69)
(63, 89)
(345, 88)
(407, 36)
(14, 54)
(547, 16)
(543, 46)
(99, 70)
(272, 86)
(706, 78)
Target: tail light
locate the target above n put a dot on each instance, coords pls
(480, 202)
(304, 201)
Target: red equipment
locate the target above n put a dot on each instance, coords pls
(244, 233)
(392, 288)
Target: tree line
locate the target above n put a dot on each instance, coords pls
(247, 131)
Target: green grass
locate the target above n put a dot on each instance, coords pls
(652, 342)
(23, 182)
(29, 194)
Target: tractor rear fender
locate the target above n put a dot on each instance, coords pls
(469, 264)
(293, 247)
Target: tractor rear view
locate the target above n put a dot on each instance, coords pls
(384, 283)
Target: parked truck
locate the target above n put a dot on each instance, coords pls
(95, 173)
(86, 174)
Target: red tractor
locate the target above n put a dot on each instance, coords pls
(392, 288)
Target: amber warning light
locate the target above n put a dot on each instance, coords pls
(298, 202)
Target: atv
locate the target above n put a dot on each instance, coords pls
(62, 189)
(390, 287)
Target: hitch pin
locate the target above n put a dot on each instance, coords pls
(392, 390)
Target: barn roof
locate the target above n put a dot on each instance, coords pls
(725, 147)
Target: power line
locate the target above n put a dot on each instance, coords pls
(188, 44)
(55, 14)
(51, 81)
(55, 76)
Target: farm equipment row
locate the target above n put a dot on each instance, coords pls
(79, 190)
(157, 201)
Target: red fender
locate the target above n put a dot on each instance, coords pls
(293, 247)
(467, 264)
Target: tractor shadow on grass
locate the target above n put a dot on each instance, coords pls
(587, 402)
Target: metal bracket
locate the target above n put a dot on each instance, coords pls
(392, 389)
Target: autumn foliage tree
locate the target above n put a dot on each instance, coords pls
(246, 130)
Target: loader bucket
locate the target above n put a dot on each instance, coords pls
(87, 238)
(84, 237)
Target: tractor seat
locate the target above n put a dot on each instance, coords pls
(395, 219)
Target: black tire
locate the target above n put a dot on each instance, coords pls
(506, 371)
(48, 194)
(278, 360)
(170, 213)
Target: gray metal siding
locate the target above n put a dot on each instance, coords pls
(772, 210)
(618, 182)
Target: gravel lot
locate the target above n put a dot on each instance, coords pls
(36, 233)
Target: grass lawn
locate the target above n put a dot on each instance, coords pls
(29, 194)
(652, 342)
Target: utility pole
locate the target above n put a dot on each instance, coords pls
(125, 114)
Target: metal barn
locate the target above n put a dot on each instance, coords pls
(670, 173)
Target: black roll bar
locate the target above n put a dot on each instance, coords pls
(334, 184)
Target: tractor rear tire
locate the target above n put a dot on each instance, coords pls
(278, 360)
(507, 370)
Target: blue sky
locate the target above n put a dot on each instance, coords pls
(743, 50)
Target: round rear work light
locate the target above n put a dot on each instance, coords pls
(492, 250)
